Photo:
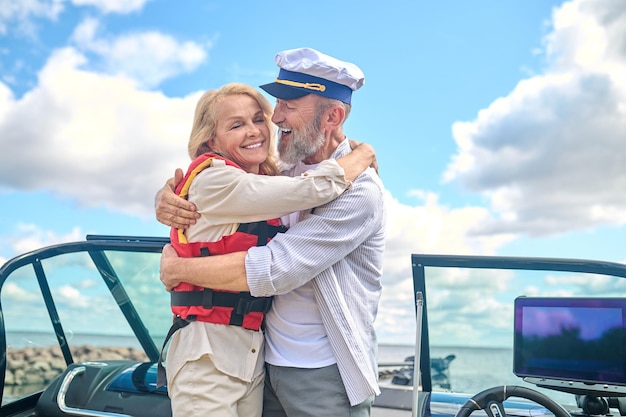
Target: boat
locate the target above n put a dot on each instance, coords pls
(403, 373)
(82, 325)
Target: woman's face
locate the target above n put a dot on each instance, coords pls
(242, 134)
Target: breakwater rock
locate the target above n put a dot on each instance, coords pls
(40, 365)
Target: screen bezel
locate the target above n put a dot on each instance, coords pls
(568, 380)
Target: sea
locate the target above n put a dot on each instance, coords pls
(472, 370)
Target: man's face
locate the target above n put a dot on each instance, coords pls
(299, 132)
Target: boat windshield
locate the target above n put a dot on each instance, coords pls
(469, 313)
(93, 300)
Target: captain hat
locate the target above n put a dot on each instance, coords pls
(307, 71)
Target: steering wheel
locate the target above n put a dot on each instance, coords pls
(491, 401)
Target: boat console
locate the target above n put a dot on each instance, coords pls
(575, 345)
(106, 389)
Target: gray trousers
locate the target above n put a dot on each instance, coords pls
(300, 392)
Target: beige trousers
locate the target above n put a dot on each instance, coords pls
(199, 389)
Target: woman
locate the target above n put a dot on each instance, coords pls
(215, 360)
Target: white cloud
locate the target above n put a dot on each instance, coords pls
(30, 237)
(98, 139)
(72, 296)
(113, 6)
(430, 228)
(435, 228)
(12, 291)
(589, 35)
(22, 15)
(23, 12)
(146, 57)
(549, 156)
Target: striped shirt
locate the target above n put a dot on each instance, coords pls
(339, 248)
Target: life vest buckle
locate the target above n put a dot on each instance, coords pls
(207, 298)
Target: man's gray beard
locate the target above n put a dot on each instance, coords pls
(303, 144)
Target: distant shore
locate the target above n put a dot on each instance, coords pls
(40, 365)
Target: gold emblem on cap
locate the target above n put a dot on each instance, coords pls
(308, 86)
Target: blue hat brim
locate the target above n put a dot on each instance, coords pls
(284, 88)
(284, 92)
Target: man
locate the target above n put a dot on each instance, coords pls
(324, 272)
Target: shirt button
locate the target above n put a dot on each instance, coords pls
(253, 350)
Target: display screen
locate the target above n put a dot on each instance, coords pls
(580, 340)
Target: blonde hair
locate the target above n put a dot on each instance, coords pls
(205, 122)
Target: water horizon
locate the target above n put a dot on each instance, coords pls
(472, 369)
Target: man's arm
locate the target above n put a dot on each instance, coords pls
(324, 238)
(306, 249)
(172, 210)
(225, 272)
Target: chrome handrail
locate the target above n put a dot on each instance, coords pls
(65, 385)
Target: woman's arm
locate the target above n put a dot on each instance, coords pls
(226, 195)
(247, 197)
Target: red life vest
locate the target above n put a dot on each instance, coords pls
(193, 303)
(190, 302)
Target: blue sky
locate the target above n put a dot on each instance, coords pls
(499, 125)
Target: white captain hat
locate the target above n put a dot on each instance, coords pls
(307, 71)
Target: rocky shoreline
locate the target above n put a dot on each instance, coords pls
(40, 365)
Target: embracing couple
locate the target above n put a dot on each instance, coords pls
(275, 266)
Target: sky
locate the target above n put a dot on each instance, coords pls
(499, 126)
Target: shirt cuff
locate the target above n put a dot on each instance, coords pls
(258, 268)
